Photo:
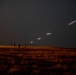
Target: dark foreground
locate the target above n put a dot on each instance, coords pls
(29, 61)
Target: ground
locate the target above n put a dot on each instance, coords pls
(37, 61)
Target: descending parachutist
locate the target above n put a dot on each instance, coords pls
(72, 22)
(48, 33)
(31, 42)
(38, 38)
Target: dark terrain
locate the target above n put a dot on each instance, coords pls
(37, 61)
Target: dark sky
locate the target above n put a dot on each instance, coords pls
(22, 21)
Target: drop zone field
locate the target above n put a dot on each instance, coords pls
(34, 60)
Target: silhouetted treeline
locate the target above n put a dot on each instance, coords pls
(19, 45)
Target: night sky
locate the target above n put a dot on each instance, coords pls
(28, 21)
